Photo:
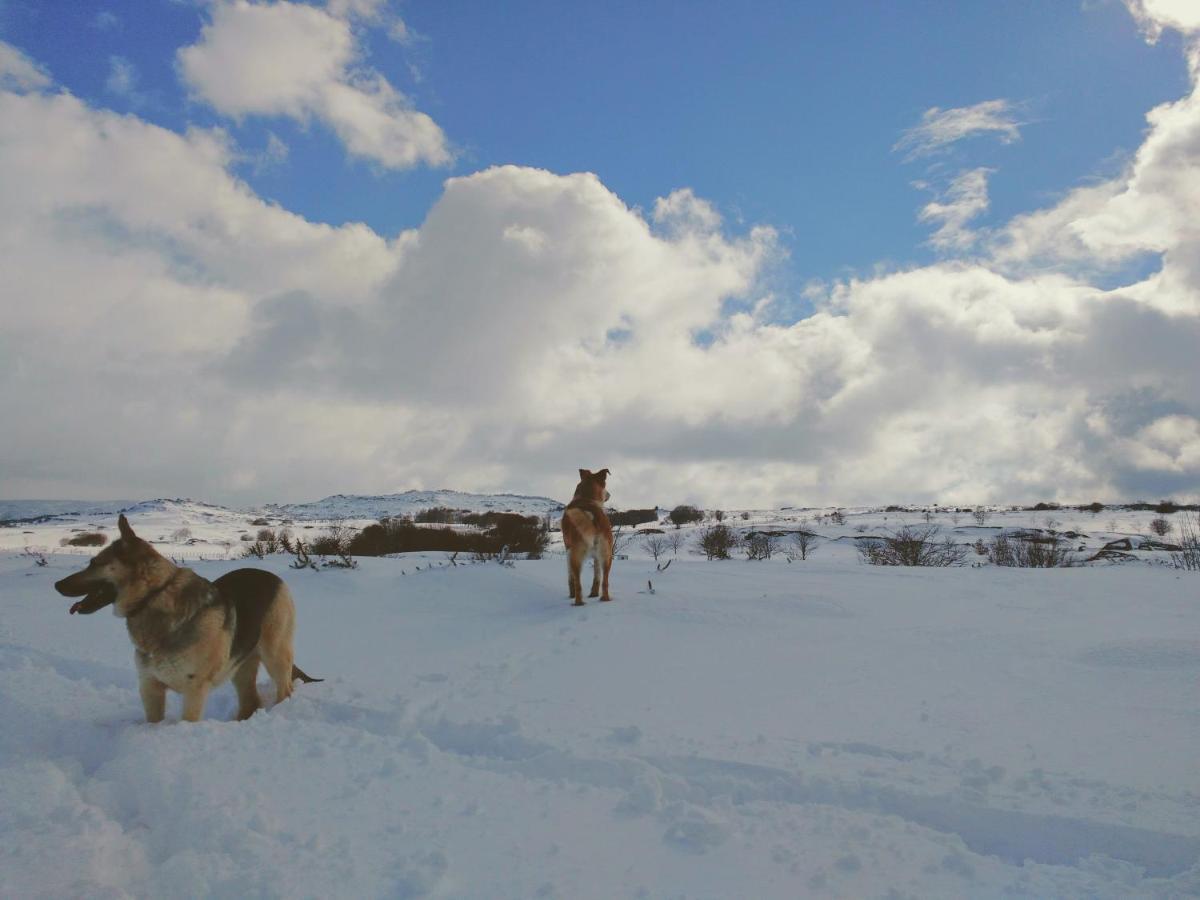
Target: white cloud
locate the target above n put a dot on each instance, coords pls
(19, 73)
(294, 60)
(167, 331)
(964, 199)
(1154, 15)
(940, 128)
(106, 20)
(122, 77)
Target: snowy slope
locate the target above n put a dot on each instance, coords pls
(355, 506)
(20, 510)
(749, 729)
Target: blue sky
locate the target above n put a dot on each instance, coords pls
(780, 113)
(739, 254)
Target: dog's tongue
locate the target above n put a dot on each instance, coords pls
(94, 601)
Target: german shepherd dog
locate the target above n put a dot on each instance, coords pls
(190, 634)
(587, 532)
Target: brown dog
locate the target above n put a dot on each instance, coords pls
(587, 532)
(191, 634)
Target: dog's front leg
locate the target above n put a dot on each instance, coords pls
(154, 697)
(194, 699)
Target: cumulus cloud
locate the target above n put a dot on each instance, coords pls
(168, 331)
(294, 60)
(939, 128)
(1153, 16)
(18, 72)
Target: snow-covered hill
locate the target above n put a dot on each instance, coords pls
(26, 510)
(355, 506)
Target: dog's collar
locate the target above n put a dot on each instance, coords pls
(579, 502)
(145, 601)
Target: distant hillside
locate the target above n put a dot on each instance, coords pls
(27, 510)
(353, 506)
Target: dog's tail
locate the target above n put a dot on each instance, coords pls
(297, 672)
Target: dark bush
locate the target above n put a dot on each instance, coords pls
(519, 534)
(1160, 526)
(440, 514)
(717, 541)
(633, 517)
(1044, 507)
(683, 515)
(87, 539)
(1166, 507)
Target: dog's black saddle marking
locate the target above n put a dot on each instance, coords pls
(248, 593)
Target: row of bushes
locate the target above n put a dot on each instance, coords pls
(912, 546)
(508, 532)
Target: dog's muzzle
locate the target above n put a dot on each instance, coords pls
(96, 594)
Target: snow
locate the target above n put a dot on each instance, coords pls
(749, 729)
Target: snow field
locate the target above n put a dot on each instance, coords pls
(750, 729)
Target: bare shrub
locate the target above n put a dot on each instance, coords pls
(655, 545)
(801, 545)
(87, 539)
(981, 515)
(256, 550)
(1160, 526)
(181, 535)
(684, 515)
(837, 517)
(302, 560)
(717, 541)
(1188, 556)
(622, 538)
(1028, 554)
(759, 545)
(675, 541)
(912, 546)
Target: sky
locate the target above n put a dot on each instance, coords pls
(740, 255)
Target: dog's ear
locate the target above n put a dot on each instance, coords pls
(584, 474)
(602, 475)
(123, 526)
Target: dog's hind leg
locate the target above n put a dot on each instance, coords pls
(276, 652)
(154, 697)
(575, 559)
(608, 558)
(244, 679)
(595, 591)
(275, 643)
